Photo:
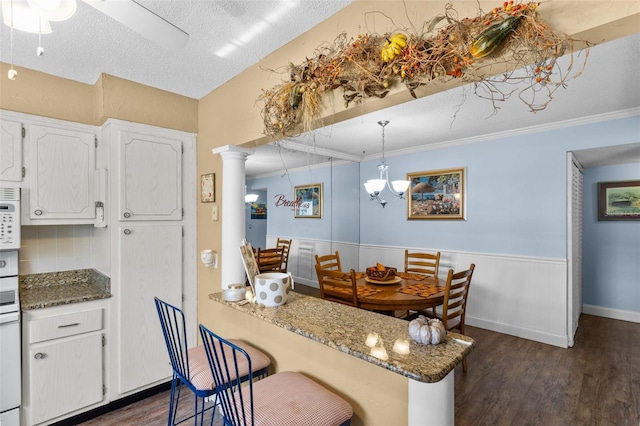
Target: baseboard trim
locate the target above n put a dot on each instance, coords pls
(618, 314)
(113, 405)
(535, 335)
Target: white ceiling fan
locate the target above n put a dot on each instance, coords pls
(34, 15)
(143, 21)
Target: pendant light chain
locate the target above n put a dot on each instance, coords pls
(383, 123)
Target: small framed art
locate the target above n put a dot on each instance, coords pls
(308, 203)
(619, 200)
(208, 188)
(436, 194)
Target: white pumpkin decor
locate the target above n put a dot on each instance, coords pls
(427, 331)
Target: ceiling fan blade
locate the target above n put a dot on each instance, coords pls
(143, 21)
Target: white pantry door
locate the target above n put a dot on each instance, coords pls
(151, 265)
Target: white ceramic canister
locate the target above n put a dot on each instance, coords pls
(272, 288)
(234, 293)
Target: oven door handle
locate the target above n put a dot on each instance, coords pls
(9, 317)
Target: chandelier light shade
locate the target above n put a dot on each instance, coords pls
(374, 187)
(251, 198)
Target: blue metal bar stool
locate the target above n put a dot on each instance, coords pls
(283, 399)
(191, 367)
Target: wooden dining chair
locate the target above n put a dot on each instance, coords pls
(269, 260)
(329, 261)
(338, 286)
(191, 367)
(285, 245)
(421, 263)
(284, 399)
(454, 306)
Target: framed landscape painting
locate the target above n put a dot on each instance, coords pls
(436, 194)
(619, 200)
(308, 203)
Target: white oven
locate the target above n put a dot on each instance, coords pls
(10, 367)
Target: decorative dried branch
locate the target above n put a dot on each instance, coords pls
(361, 69)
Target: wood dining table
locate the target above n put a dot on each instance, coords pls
(404, 293)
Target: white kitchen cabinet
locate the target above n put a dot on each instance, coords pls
(63, 361)
(152, 178)
(60, 173)
(158, 195)
(10, 151)
(151, 265)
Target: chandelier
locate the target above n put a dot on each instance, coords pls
(374, 187)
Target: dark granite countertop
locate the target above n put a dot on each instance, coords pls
(346, 329)
(61, 288)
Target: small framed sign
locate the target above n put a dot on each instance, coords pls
(208, 188)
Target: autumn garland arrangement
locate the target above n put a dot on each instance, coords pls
(370, 65)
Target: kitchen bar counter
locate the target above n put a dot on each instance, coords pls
(60, 288)
(346, 329)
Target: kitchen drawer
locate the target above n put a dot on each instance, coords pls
(57, 326)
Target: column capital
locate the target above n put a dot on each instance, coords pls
(232, 149)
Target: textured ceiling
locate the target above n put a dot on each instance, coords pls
(91, 43)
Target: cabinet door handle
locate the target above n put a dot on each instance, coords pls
(127, 231)
(73, 324)
(37, 212)
(39, 355)
(127, 215)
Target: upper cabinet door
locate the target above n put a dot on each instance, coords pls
(150, 177)
(10, 151)
(62, 163)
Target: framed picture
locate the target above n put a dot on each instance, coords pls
(258, 211)
(619, 200)
(308, 203)
(208, 188)
(436, 194)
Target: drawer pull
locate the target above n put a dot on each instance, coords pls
(73, 324)
(127, 215)
(39, 355)
(38, 212)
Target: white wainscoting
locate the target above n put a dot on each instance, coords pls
(302, 258)
(519, 296)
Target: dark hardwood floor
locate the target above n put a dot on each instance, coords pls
(512, 381)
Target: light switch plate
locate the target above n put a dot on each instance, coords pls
(214, 212)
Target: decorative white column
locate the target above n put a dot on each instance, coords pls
(233, 215)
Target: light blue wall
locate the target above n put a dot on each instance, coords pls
(340, 219)
(516, 200)
(611, 249)
(516, 193)
(256, 229)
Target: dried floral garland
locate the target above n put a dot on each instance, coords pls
(370, 64)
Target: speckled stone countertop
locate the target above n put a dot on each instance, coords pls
(60, 288)
(346, 329)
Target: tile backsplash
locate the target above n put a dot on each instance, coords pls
(56, 248)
